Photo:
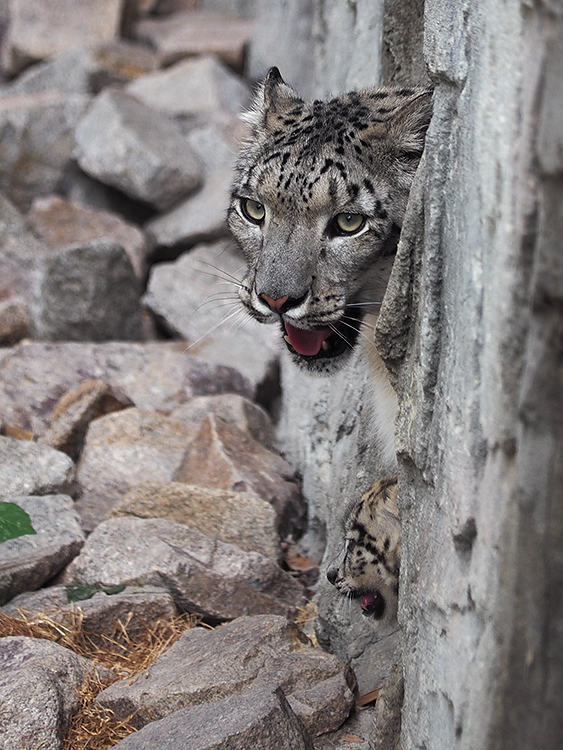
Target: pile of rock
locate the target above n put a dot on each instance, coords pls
(149, 475)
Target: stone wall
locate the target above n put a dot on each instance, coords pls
(478, 368)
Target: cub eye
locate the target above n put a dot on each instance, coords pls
(252, 210)
(349, 223)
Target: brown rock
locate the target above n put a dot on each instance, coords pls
(62, 223)
(234, 517)
(262, 651)
(192, 33)
(14, 320)
(76, 409)
(41, 29)
(225, 457)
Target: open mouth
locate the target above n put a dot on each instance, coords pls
(373, 605)
(324, 343)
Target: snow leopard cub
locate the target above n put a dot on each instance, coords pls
(317, 204)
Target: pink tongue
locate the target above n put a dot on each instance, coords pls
(307, 343)
(367, 600)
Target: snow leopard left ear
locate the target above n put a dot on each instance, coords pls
(273, 102)
(407, 128)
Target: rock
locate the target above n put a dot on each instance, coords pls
(200, 218)
(215, 145)
(76, 409)
(259, 718)
(192, 88)
(62, 223)
(262, 652)
(386, 732)
(35, 375)
(120, 61)
(88, 292)
(126, 144)
(100, 615)
(197, 33)
(69, 73)
(29, 561)
(225, 457)
(234, 409)
(30, 469)
(41, 29)
(45, 678)
(196, 296)
(234, 517)
(204, 575)
(37, 134)
(123, 449)
(14, 320)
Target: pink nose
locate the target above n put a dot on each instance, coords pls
(275, 304)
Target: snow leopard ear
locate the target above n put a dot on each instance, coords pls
(407, 128)
(273, 102)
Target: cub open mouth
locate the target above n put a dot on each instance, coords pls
(373, 605)
(323, 343)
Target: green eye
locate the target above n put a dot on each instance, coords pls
(252, 210)
(349, 223)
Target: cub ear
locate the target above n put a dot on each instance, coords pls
(407, 128)
(274, 100)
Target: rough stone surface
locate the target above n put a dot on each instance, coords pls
(14, 320)
(102, 614)
(258, 651)
(42, 29)
(30, 469)
(123, 449)
(37, 134)
(125, 144)
(88, 292)
(76, 409)
(192, 88)
(29, 561)
(197, 33)
(223, 456)
(257, 718)
(234, 517)
(62, 223)
(203, 575)
(39, 684)
(196, 296)
(69, 73)
(35, 375)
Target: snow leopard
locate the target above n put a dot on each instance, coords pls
(317, 204)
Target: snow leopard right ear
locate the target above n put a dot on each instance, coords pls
(273, 102)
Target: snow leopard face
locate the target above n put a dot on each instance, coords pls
(368, 565)
(317, 205)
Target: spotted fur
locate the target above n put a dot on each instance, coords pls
(368, 565)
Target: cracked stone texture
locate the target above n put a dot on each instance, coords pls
(29, 561)
(258, 652)
(30, 469)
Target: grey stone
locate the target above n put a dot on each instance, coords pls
(223, 456)
(126, 144)
(88, 292)
(69, 73)
(62, 223)
(234, 409)
(30, 469)
(39, 691)
(123, 449)
(41, 29)
(37, 133)
(35, 375)
(192, 88)
(234, 517)
(204, 575)
(257, 718)
(214, 144)
(261, 652)
(29, 561)
(196, 33)
(386, 733)
(101, 616)
(197, 297)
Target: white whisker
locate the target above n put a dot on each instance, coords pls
(224, 319)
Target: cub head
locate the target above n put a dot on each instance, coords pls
(368, 565)
(317, 204)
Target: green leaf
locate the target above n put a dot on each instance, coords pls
(14, 522)
(78, 592)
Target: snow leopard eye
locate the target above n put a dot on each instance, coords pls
(349, 223)
(252, 210)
